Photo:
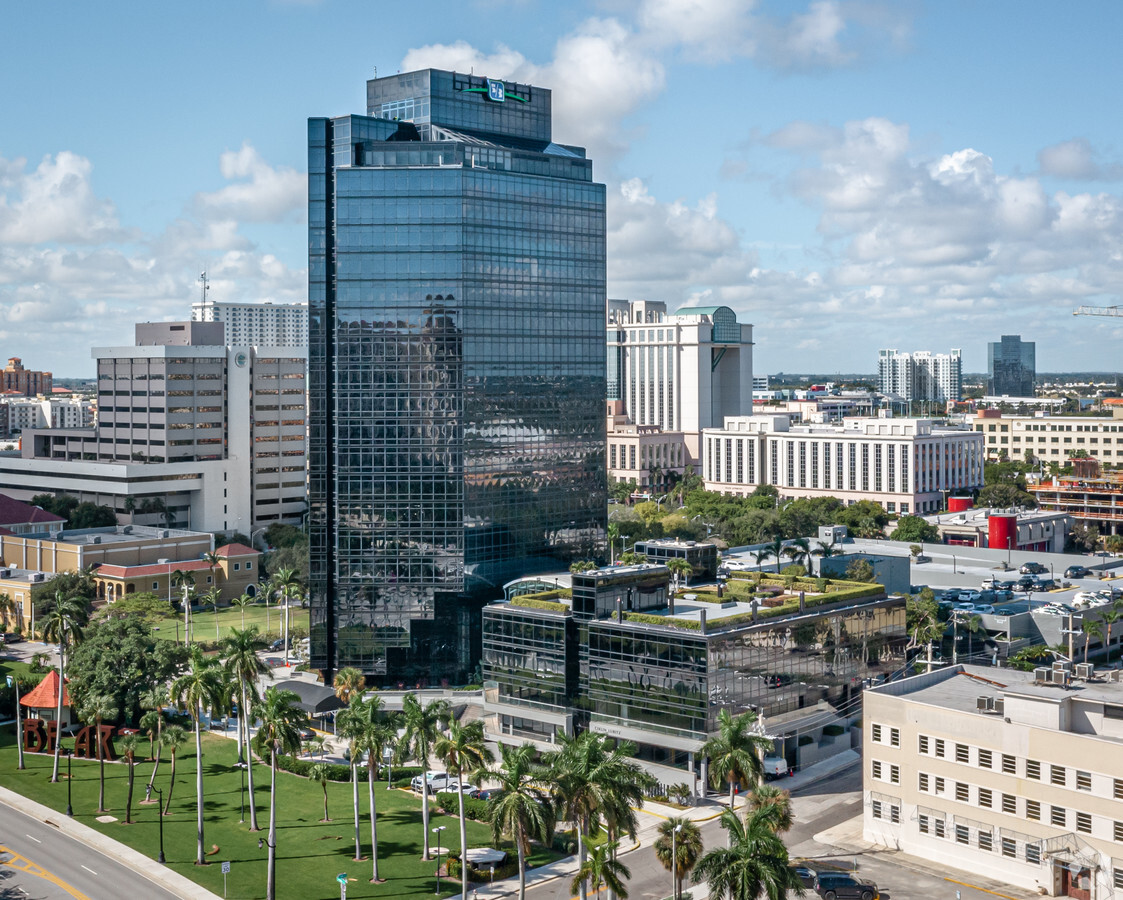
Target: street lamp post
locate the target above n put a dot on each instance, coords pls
(437, 831)
(69, 782)
(160, 817)
(954, 570)
(674, 862)
(13, 681)
(242, 791)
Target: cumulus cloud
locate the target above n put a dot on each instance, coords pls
(54, 202)
(68, 265)
(1076, 160)
(260, 192)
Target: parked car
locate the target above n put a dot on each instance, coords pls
(969, 596)
(1006, 585)
(1050, 611)
(844, 886)
(950, 594)
(481, 793)
(1046, 584)
(805, 874)
(438, 781)
(1027, 583)
(306, 733)
(1001, 596)
(1033, 568)
(984, 608)
(1077, 572)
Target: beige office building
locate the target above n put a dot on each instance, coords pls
(1012, 775)
(1050, 439)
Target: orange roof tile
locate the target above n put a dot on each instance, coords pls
(237, 550)
(45, 694)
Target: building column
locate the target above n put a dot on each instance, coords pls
(705, 776)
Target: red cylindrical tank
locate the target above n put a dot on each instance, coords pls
(1002, 532)
(960, 504)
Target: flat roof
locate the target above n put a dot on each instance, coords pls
(113, 534)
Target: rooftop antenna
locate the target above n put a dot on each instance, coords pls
(206, 284)
(376, 73)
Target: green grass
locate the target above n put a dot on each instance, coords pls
(269, 622)
(310, 853)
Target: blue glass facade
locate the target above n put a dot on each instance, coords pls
(456, 374)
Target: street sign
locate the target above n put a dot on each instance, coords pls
(225, 872)
(341, 877)
(9, 680)
(225, 868)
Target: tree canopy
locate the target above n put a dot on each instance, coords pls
(121, 659)
(78, 514)
(913, 529)
(146, 606)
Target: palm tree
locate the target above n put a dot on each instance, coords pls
(521, 809)
(63, 624)
(422, 724)
(7, 610)
(760, 557)
(1092, 628)
(129, 744)
(372, 734)
(242, 602)
(735, 754)
(613, 536)
(212, 560)
(319, 773)
(348, 682)
(754, 863)
(680, 567)
(1109, 617)
(244, 667)
(681, 836)
(349, 724)
(185, 580)
(286, 582)
(594, 777)
(99, 707)
(212, 597)
(175, 737)
(799, 552)
(777, 802)
(463, 751)
(200, 686)
(924, 626)
(826, 550)
(776, 550)
(602, 867)
(280, 718)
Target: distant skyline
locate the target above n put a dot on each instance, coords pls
(846, 174)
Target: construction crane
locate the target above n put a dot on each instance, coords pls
(1098, 311)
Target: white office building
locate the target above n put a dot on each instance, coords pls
(921, 375)
(906, 465)
(191, 432)
(682, 372)
(265, 324)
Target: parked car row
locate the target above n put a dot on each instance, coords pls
(1088, 599)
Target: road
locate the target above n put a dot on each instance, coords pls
(37, 862)
(817, 807)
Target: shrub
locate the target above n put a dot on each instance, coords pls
(38, 664)
(473, 809)
(645, 619)
(833, 730)
(533, 601)
(805, 739)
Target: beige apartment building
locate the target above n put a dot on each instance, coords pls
(1050, 439)
(1013, 775)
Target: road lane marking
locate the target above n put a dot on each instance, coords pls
(975, 887)
(33, 838)
(88, 869)
(23, 864)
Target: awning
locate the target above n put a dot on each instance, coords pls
(485, 856)
(315, 699)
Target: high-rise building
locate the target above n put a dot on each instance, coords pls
(921, 375)
(190, 431)
(14, 377)
(257, 324)
(1011, 367)
(456, 366)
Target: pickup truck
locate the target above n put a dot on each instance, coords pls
(776, 767)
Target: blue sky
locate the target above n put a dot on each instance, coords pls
(846, 174)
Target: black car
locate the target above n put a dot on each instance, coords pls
(1005, 585)
(1033, 568)
(805, 874)
(844, 886)
(1027, 582)
(1077, 572)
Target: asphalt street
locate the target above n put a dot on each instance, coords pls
(37, 862)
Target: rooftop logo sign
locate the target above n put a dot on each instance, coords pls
(496, 92)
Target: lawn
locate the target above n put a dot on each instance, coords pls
(310, 854)
(268, 621)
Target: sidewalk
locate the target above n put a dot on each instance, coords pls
(166, 878)
(846, 837)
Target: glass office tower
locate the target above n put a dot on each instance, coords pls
(456, 367)
(1011, 367)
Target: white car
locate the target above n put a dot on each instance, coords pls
(1051, 611)
(984, 608)
(438, 781)
(969, 595)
